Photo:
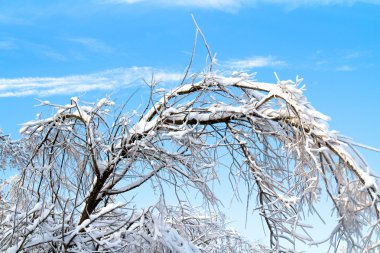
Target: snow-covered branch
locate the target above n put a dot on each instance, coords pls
(78, 162)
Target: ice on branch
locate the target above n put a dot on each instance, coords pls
(75, 165)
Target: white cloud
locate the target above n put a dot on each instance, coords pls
(298, 3)
(123, 1)
(226, 5)
(343, 60)
(233, 5)
(215, 4)
(51, 54)
(4, 19)
(254, 62)
(105, 80)
(345, 68)
(30, 47)
(6, 45)
(92, 44)
(351, 55)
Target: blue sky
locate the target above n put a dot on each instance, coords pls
(53, 50)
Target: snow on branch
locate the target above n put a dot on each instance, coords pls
(77, 163)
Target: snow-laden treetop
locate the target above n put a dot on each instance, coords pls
(78, 164)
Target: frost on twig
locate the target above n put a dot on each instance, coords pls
(80, 161)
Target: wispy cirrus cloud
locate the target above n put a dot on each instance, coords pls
(92, 44)
(311, 3)
(225, 5)
(216, 4)
(255, 62)
(6, 45)
(340, 60)
(32, 48)
(9, 20)
(345, 68)
(233, 5)
(123, 1)
(104, 80)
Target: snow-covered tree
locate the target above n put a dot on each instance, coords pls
(77, 168)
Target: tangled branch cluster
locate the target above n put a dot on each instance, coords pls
(78, 164)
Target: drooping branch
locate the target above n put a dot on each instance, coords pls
(82, 160)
